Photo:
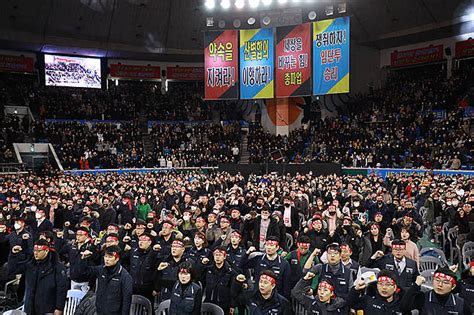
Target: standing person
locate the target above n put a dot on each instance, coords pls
(325, 301)
(440, 300)
(298, 258)
(265, 299)
(114, 284)
(186, 294)
(46, 279)
(386, 300)
(405, 269)
(143, 208)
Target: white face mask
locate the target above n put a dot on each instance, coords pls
(186, 217)
(455, 203)
(356, 204)
(33, 208)
(17, 226)
(38, 215)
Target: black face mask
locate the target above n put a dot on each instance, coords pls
(287, 205)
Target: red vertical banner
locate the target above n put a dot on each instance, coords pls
(293, 61)
(221, 70)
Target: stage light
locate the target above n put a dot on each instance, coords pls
(251, 20)
(329, 10)
(254, 3)
(282, 1)
(210, 21)
(239, 4)
(225, 4)
(210, 4)
(237, 23)
(266, 20)
(312, 15)
(267, 2)
(341, 8)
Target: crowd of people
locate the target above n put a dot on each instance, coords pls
(253, 243)
(71, 73)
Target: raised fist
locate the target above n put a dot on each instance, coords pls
(240, 278)
(309, 276)
(420, 280)
(162, 266)
(156, 247)
(16, 249)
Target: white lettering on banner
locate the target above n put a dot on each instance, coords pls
(256, 75)
(221, 76)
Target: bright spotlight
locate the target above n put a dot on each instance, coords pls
(239, 4)
(312, 15)
(267, 2)
(254, 3)
(210, 4)
(225, 4)
(282, 1)
(251, 21)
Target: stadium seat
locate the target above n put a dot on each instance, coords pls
(73, 298)
(429, 263)
(163, 308)
(140, 306)
(211, 309)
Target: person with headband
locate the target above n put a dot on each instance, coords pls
(441, 300)
(236, 253)
(272, 261)
(216, 278)
(297, 258)
(166, 237)
(385, 300)
(347, 261)
(168, 264)
(81, 248)
(200, 249)
(264, 299)
(324, 302)
(114, 284)
(333, 270)
(405, 269)
(186, 294)
(46, 279)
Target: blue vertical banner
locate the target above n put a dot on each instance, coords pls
(257, 55)
(331, 56)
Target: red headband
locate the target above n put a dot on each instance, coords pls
(183, 270)
(225, 220)
(303, 245)
(326, 285)
(443, 276)
(471, 264)
(177, 243)
(271, 242)
(268, 278)
(347, 247)
(41, 247)
(223, 252)
(115, 254)
(386, 279)
(81, 232)
(166, 224)
(408, 218)
(140, 225)
(200, 219)
(144, 238)
(235, 233)
(115, 238)
(399, 246)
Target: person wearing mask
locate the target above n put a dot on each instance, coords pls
(46, 279)
(114, 284)
(217, 278)
(441, 300)
(317, 234)
(40, 224)
(265, 299)
(290, 216)
(186, 294)
(385, 300)
(18, 236)
(333, 270)
(405, 269)
(168, 265)
(272, 261)
(325, 301)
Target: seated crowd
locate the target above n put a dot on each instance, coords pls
(253, 243)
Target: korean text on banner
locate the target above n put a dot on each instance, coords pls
(293, 61)
(416, 56)
(134, 71)
(331, 56)
(16, 64)
(256, 63)
(221, 65)
(185, 73)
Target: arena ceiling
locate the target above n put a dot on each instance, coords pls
(171, 30)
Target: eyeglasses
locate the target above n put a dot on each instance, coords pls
(444, 282)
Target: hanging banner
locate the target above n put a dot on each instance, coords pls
(185, 73)
(331, 56)
(221, 65)
(16, 64)
(118, 70)
(293, 61)
(256, 63)
(465, 48)
(416, 56)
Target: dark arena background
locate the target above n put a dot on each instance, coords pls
(236, 157)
